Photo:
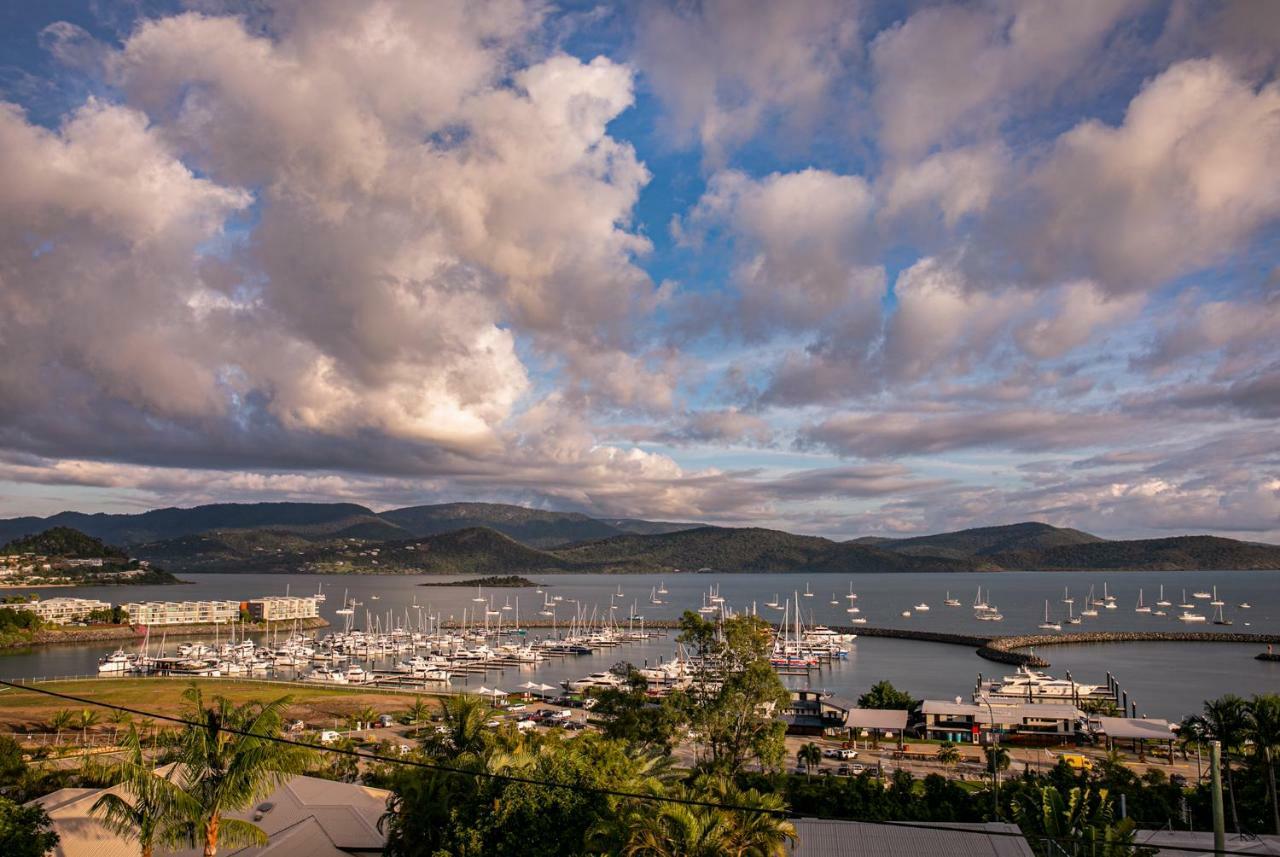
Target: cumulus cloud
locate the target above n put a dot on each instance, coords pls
(1183, 181)
(951, 71)
(723, 68)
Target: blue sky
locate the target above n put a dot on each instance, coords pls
(834, 267)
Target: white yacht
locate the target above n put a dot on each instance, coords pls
(1028, 683)
(1188, 616)
(922, 607)
(951, 602)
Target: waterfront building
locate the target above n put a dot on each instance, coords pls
(278, 608)
(60, 611)
(1043, 722)
(181, 612)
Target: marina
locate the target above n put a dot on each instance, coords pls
(570, 627)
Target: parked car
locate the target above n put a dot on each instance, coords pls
(329, 737)
(856, 768)
(519, 706)
(842, 771)
(385, 720)
(845, 754)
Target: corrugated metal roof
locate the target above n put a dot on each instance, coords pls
(1128, 727)
(876, 718)
(1003, 713)
(822, 838)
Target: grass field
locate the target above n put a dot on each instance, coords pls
(23, 710)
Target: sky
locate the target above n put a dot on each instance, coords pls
(840, 268)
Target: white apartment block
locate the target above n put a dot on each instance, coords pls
(276, 608)
(60, 611)
(181, 612)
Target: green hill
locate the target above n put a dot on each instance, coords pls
(1172, 554)
(64, 542)
(533, 527)
(987, 541)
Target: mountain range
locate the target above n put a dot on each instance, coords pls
(491, 538)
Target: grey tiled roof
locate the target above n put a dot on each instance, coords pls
(820, 838)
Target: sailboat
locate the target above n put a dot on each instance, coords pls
(1202, 595)
(1109, 600)
(653, 596)
(1216, 602)
(951, 602)
(978, 602)
(834, 601)
(1220, 618)
(852, 596)
(1089, 609)
(1141, 608)
(479, 599)
(1072, 619)
(774, 603)
(662, 588)
(1046, 624)
(1163, 602)
(1185, 605)
(807, 592)
(1098, 602)
(1066, 596)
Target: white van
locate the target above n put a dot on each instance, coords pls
(329, 737)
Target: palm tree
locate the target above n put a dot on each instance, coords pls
(809, 755)
(1082, 818)
(84, 720)
(148, 729)
(464, 719)
(682, 830)
(948, 755)
(118, 719)
(1223, 720)
(156, 808)
(419, 711)
(60, 720)
(1262, 724)
(997, 759)
(224, 771)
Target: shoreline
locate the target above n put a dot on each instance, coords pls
(79, 636)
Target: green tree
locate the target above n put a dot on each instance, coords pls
(629, 714)
(225, 771)
(1083, 818)
(86, 719)
(736, 693)
(810, 757)
(883, 695)
(1224, 720)
(25, 831)
(463, 717)
(156, 810)
(1262, 729)
(419, 711)
(997, 759)
(59, 720)
(118, 719)
(684, 830)
(948, 755)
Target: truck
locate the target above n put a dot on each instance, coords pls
(1077, 761)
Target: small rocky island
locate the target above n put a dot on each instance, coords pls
(509, 581)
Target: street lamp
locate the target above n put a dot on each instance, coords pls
(995, 768)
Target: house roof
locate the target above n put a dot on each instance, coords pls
(305, 817)
(876, 718)
(825, 838)
(1189, 842)
(1002, 713)
(1128, 727)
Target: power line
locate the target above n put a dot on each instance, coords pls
(576, 787)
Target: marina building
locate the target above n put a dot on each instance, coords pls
(181, 612)
(1046, 722)
(278, 608)
(60, 611)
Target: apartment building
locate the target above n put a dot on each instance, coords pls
(60, 611)
(277, 608)
(181, 612)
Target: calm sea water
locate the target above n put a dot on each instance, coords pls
(1166, 679)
